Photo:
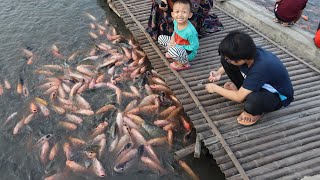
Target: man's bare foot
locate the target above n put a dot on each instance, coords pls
(230, 86)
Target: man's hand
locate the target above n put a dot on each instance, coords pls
(214, 76)
(211, 87)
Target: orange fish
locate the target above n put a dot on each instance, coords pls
(18, 126)
(153, 165)
(170, 139)
(19, 86)
(7, 84)
(99, 129)
(75, 167)
(67, 125)
(157, 141)
(185, 167)
(45, 111)
(44, 152)
(58, 109)
(166, 112)
(33, 108)
(41, 101)
(54, 151)
(1, 89)
(67, 150)
(105, 108)
(74, 118)
(186, 124)
(29, 118)
(98, 168)
(76, 141)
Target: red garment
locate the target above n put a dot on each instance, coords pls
(179, 40)
(289, 10)
(317, 39)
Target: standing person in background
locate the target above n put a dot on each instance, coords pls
(161, 23)
(204, 21)
(288, 12)
(317, 37)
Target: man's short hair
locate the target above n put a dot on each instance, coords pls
(184, 2)
(237, 45)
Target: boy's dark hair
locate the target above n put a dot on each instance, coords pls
(237, 45)
(184, 2)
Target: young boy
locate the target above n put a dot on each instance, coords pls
(265, 86)
(288, 12)
(184, 42)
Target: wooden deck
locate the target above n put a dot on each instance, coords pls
(283, 145)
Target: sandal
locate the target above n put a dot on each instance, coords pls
(179, 67)
(247, 119)
(276, 20)
(285, 24)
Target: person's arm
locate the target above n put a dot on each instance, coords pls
(237, 96)
(172, 42)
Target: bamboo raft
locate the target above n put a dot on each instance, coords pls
(283, 145)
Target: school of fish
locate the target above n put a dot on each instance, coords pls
(132, 121)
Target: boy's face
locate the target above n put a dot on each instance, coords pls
(181, 13)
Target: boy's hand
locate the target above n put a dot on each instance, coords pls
(211, 87)
(214, 76)
(171, 44)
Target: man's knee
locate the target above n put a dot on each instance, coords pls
(251, 104)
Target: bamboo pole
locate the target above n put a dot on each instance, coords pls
(303, 173)
(261, 143)
(289, 154)
(270, 151)
(313, 154)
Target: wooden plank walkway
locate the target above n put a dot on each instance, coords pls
(283, 145)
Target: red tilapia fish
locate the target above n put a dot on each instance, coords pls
(105, 108)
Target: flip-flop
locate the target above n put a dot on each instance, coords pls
(243, 119)
(276, 20)
(284, 24)
(179, 67)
